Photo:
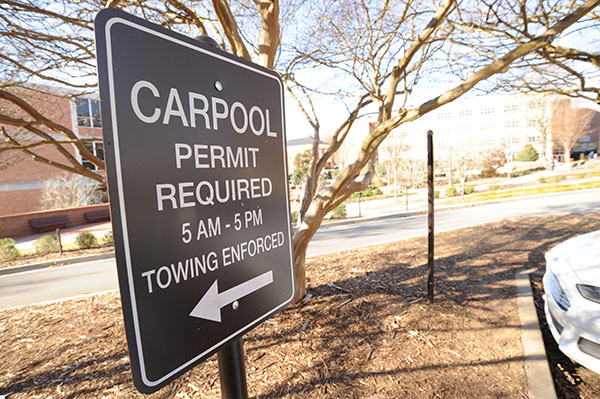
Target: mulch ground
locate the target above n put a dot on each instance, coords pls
(366, 332)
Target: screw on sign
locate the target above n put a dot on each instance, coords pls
(197, 176)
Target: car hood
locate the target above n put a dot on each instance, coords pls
(582, 253)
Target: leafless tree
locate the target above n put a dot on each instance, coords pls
(392, 150)
(568, 66)
(388, 50)
(377, 52)
(71, 191)
(568, 124)
(413, 171)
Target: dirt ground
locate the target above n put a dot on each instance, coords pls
(366, 332)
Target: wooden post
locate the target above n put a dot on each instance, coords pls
(430, 197)
(60, 249)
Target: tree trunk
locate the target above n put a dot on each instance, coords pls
(300, 272)
(395, 185)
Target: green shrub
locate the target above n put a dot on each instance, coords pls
(594, 173)
(493, 187)
(7, 249)
(6, 241)
(46, 244)
(579, 175)
(294, 216)
(469, 189)
(451, 191)
(560, 178)
(369, 192)
(108, 239)
(542, 180)
(528, 154)
(86, 240)
(436, 193)
(339, 212)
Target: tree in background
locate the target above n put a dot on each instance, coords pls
(301, 161)
(392, 150)
(528, 154)
(463, 163)
(569, 124)
(379, 55)
(413, 171)
(71, 191)
(568, 66)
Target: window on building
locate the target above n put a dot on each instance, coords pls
(463, 113)
(532, 123)
(512, 107)
(88, 112)
(95, 148)
(487, 110)
(511, 124)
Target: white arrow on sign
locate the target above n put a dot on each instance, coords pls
(210, 305)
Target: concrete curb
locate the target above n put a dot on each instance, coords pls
(65, 261)
(539, 378)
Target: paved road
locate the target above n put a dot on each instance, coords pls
(56, 283)
(90, 277)
(335, 239)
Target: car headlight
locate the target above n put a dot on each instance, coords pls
(589, 292)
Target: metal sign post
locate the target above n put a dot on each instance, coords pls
(232, 372)
(196, 165)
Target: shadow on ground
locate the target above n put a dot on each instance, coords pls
(366, 332)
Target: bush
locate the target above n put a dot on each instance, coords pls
(294, 216)
(451, 191)
(339, 212)
(6, 241)
(108, 239)
(46, 244)
(579, 175)
(469, 189)
(560, 178)
(297, 177)
(542, 180)
(86, 240)
(7, 249)
(436, 193)
(369, 192)
(489, 172)
(528, 154)
(594, 173)
(493, 187)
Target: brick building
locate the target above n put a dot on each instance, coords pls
(22, 179)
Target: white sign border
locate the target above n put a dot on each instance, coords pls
(113, 112)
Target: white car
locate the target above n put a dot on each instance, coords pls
(572, 300)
